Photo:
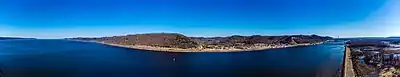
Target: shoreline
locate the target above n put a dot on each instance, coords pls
(166, 49)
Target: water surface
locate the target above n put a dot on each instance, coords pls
(62, 58)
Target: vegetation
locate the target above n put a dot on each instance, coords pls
(174, 40)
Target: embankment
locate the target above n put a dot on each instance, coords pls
(347, 70)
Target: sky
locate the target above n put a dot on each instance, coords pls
(96, 18)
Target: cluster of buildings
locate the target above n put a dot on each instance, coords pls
(380, 60)
(379, 57)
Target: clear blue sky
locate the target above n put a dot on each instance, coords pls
(91, 18)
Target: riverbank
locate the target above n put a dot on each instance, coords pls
(166, 49)
(348, 69)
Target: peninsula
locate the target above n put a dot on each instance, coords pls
(174, 42)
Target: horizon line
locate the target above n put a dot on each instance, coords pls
(194, 36)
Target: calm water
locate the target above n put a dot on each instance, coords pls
(61, 58)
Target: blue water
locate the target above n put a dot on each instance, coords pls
(62, 58)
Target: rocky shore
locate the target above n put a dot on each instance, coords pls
(172, 42)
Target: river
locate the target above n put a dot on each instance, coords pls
(63, 58)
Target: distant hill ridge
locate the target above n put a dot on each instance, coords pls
(175, 40)
(6, 38)
(394, 37)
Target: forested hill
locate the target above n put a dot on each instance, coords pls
(175, 40)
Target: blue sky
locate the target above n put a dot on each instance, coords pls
(94, 18)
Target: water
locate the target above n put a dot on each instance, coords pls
(62, 58)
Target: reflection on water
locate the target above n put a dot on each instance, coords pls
(61, 58)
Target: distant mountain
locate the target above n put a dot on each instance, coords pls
(367, 42)
(394, 37)
(6, 38)
(174, 40)
(373, 41)
(258, 39)
(370, 38)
